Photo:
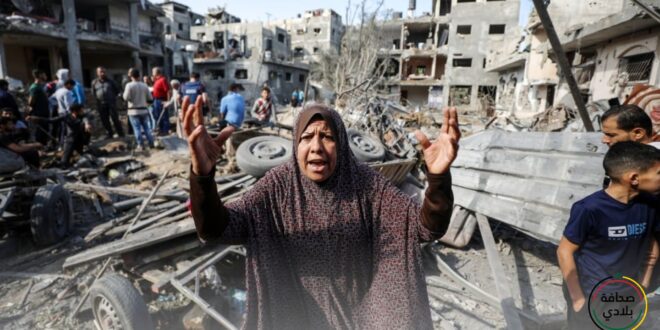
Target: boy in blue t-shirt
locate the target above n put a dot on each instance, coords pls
(609, 232)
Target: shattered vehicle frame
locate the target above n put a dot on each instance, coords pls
(33, 198)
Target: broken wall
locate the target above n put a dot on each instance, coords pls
(282, 79)
(119, 19)
(610, 80)
(415, 95)
(476, 45)
(540, 68)
(511, 91)
(315, 32)
(566, 14)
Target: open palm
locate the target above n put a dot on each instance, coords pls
(439, 154)
(204, 150)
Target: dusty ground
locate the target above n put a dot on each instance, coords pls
(529, 264)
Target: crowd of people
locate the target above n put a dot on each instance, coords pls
(57, 118)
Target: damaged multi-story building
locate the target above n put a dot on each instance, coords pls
(443, 53)
(253, 54)
(179, 47)
(79, 35)
(612, 45)
(313, 33)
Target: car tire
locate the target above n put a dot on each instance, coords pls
(257, 155)
(117, 304)
(365, 148)
(50, 214)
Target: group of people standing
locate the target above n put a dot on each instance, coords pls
(55, 117)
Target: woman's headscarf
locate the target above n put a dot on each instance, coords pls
(340, 254)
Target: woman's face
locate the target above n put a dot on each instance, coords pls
(317, 152)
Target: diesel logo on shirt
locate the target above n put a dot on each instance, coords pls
(626, 231)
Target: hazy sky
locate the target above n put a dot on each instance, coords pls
(262, 10)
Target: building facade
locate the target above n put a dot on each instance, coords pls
(79, 35)
(252, 54)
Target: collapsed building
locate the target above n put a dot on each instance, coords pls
(254, 54)
(442, 54)
(179, 47)
(313, 33)
(79, 35)
(612, 46)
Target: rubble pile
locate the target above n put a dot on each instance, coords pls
(132, 230)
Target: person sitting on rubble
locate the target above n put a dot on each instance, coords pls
(11, 141)
(588, 252)
(330, 242)
(7, 100)
(77, 131)
(20, 127)
(264, 108)
(627, 123)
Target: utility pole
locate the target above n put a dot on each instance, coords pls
(562, 60)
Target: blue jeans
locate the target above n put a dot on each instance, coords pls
(164, 124)
(140, 124)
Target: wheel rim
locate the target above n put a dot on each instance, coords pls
(268, 150)
(60, 217)
(363, 143)
(106, 315)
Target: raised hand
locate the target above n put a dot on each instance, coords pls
(439, 155)
(204, 150)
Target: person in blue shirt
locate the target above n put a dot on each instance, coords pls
(195, 88)
(610, 231)
(232, 109)
(232, 112)
(78, 91)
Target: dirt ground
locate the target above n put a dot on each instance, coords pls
(36, 294)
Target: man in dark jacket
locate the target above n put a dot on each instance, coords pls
(105, 92)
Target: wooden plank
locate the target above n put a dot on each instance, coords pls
(131, 243)
(505, 297)
(144, 223)
(174, 195)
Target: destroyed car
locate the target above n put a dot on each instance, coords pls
(34, 199)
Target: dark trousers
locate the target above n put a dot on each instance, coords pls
(107, 112)
(71, 145)
(577, 320)
(164, 123)
(31, 157)
(41, 131)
